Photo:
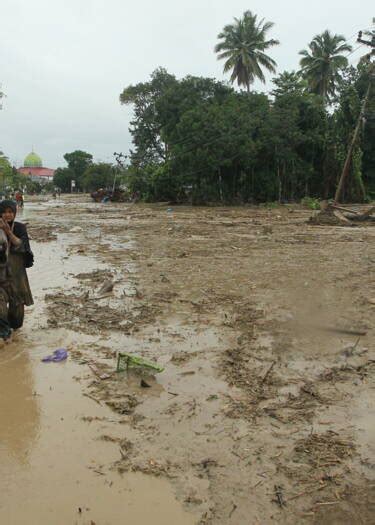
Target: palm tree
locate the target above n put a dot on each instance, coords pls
(289, 82)
(243, 45)
(321, 64)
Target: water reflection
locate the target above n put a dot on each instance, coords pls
(19, 412)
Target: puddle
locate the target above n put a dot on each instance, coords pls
(52, 460)
(55, 467)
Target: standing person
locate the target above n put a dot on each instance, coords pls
(19, 199)
(15, 257)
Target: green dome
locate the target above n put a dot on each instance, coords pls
(33, 161)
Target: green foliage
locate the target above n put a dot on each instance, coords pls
(49, 187)
(78, 161)
(270, 205)
(242, 45)
(289, 82)
(97, 176)
(322, 63)
(11, 180)
(33, 187)
(63, 179)
(6, 171)
(311, 203)
(198, 139)
(145, 127)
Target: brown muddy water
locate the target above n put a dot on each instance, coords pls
(262, 415)
(53, 464)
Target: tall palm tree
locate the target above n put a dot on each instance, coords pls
(321, 64)
(242, 45)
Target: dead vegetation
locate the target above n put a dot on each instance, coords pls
(323, 450)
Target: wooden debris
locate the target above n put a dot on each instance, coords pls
(266, 375)
(106, 287)
(341, 217)
(279, 496)
(233, 509)
(334, 214)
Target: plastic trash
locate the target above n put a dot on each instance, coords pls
(58, 355)
(125, 361)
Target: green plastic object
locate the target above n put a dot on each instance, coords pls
(125, 361)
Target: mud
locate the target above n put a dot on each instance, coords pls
(264, 412)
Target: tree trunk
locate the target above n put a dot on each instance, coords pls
(220, 186)
(279, 177)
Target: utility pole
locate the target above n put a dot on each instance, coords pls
(370, 34)
(348, 160)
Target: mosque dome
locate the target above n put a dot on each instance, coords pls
(33, 161)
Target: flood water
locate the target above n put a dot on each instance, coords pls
(54, 465)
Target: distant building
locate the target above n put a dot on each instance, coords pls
(33, 167)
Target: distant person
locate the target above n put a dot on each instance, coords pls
(54, 195)
(19, 199)
(15, 257)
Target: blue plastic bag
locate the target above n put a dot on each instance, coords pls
(58, 355)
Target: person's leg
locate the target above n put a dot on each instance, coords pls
(5, 331)
(16, 313)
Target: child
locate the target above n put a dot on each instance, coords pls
(15, 291)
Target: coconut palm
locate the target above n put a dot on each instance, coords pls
(242, 45)
(321, 64)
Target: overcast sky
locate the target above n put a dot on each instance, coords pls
(63, 63)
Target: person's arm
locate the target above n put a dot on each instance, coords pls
(20, 233)
(15, 241)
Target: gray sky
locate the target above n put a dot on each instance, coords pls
(63, 63)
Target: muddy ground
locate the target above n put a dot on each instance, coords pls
(264, 326)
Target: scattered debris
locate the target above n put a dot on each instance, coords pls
(106, 288)
(279, 496)
(323, 450)
(125, 361)
(61, 354)
(333, 214)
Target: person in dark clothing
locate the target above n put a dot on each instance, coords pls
(15, 257)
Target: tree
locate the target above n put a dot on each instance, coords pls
(78, 161)
(97, 176)
(63, 179)
(146, 127)
(5, 170)
(243, 45)
(288, 82)
(294, 140)
(184, 95)
(322, 63)
(221, 145)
